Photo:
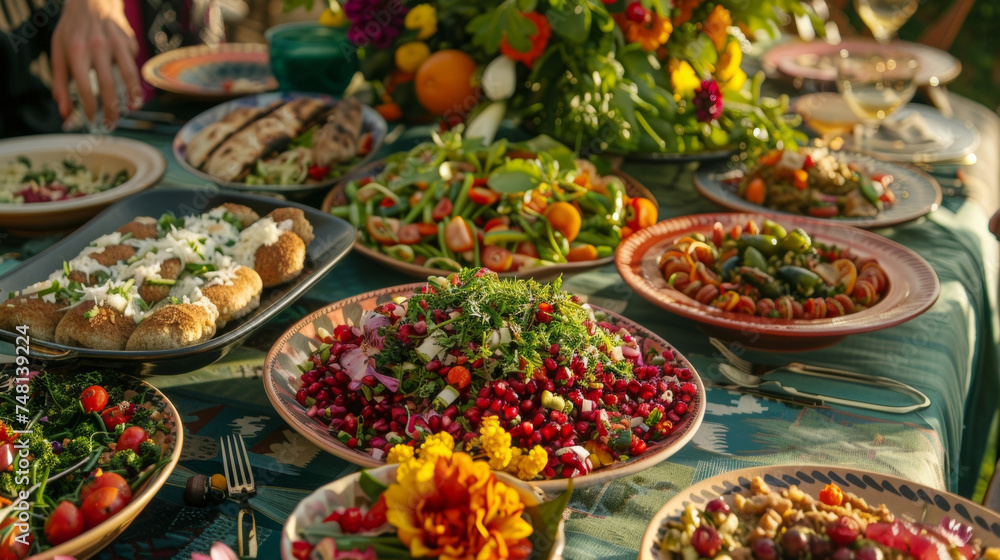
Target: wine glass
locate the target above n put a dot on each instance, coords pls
(885, 17)
(875, 85)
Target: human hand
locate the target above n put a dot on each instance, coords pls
(93, 34)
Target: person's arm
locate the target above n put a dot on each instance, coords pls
(94, 34)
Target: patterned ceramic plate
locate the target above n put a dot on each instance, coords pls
(902, 497)
(281, 382)
(212, 71)
(345, 492)
(917, 193)
(913, 284)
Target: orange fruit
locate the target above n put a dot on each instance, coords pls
(445, 84)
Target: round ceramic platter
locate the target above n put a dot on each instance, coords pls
(913, 285)
(917, 193)
(902, 497)
(815, 60)
(212, 71)
(144, 163)
(952, 138)
(281, 375)
(371, 122)
(90, 542)
(343, 492)
(336, 198)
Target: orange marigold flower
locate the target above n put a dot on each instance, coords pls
(650, 35)
(685, 9)
(716, 26)
(457, 509)
(539, 40)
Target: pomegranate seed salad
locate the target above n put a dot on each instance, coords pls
(770, 523)
(519, 373)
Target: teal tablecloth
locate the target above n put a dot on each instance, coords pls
(949, 353)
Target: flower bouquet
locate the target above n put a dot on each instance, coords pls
(433, 503)
(621, 76)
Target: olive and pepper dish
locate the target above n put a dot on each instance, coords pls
(766, 271)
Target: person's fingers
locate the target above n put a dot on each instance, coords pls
(106, 84)
(125, 60)
(79, 64)
(60, 77)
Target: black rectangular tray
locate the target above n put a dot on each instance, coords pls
(334, 237)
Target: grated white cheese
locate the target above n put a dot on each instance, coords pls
(262, 233)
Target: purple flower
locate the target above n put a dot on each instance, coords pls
(375, 22)
(708, 101)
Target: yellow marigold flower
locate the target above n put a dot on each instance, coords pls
(409, 56)
(716, 26)
(399, 453)
(495, 442)
(459, 511)
(683, 78)
(437, 445)
(526, 466)
(422, 18)
(728, 73)
(651, 35)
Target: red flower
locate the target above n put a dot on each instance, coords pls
(708, 101)
(539, 41)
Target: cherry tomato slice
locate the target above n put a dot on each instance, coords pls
(827, 211)
(411, 234)
(483, 196)
(527, 248)
(65, 523)
(501, 222)
(131, 438)
(94, 398)
(640, 213)
(442, 209)
(497, 258)
(382, 230)
(564, 218)
(457, 236)
(10, 547)
(114, 415)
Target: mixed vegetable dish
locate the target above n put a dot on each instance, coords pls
(768, 523)
(767, 271)
(22, 181)
(455, 203)
(93, 441)
(519, 373)
(817, 182)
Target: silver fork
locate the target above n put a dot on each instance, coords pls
(748, 374)
(239, 480)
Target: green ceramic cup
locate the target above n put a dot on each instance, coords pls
(309, 57)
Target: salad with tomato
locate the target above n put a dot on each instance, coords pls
(93, 442)
(456, 202)
(817, 182)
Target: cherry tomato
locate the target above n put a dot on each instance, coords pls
(114, 415)
(382, 230)
(497, 258)
(442, 209)
(527, 248)
(65, 523)
(521, 261)
(106, 480)
(131, 438)
(564, 218)
(825, 211)
(7, 457)
(365, 146)
(770, 158)
(412, 234)
(10, 547)
(640, 213)
(484, 196)
(318, 172)
(457, 236)
(755, 192)
(100, 505)
(500, 222)
(94, 398)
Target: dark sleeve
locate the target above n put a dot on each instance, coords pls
(26, 104)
